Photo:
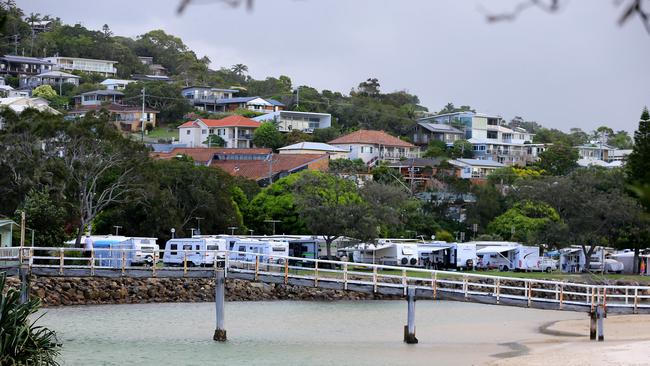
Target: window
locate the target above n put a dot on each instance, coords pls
(213, 247)
(172, 249)
(187, 247)
(492, 134)
(241, 248)
(187, 132)
(203, 132)
(212, 131)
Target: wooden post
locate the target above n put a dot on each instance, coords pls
(123, 262)
(316, 273)
(434, 279)
(257, 265)
(404, 283)
(345, 276)
(92, 262)
(374, 278)
(592, 325)
(219, 302)
(24, 285)
(22, 229)
(530, 292)
(409, 328)
(498, 285)
(184, 262)
(61, 260)
(600, 314)
(153, 265)
(286, 272)
(465, 286)
(561, 295)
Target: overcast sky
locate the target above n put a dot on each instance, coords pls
(576, 68)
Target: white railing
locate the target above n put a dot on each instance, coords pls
(284, 268)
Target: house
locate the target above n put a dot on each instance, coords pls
(256, 164)
(619, 155)
(475, 168)
(98, 97)
(104, 67)
(236, 131)
(491, 140)
(163, 78)
(125, 117)
(317, 148)
(256, 104)
(116, 84)
(54, 78)
(273, 167)
(418, 173)
(154, 69)
(24, 66)
(287, 121)
(425, 132)
(594, 150)
(205, 97)
(19, 104)
(7, 228)
(372, 146)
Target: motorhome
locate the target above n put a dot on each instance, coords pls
(246, 250)
(391, 252)
(513, 257)
(194, 251)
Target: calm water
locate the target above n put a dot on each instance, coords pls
(294, 333)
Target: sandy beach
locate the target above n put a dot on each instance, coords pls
(627, 342)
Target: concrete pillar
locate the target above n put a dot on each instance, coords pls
(409, 328)
(219, 301)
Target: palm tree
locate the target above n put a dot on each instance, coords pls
(239, 69)
(33, 18)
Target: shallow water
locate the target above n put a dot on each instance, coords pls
(295, 333)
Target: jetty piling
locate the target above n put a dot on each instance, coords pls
(24, 285)
(219, 302)
(600, 314)
(409, 328)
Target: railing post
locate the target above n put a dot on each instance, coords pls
(600, 314)
(257, 266)
(593, 298)
(92, 261)
(153, 265)
(636, 299)
(557, 291)
(316, 273)
(345, 276)
(184, 262)
(61, 260)
(465, 286)
(434, 283)
(31, 259)
(286, 272)
(404, 284)
(530, 292)
(123, 262)
(498, 289)
(374, 278)
(604, 298)
(561, 295)
(626, 295)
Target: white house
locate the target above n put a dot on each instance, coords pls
(116, 84)
(315, 148)
(288, 121)
(104, 67)
(475, 168)
(98, 97)
(372, 146)
(237, 131)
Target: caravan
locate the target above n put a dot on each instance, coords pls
(246, 250)
(573, 259)
(194, 251)
(437, 255)
(144, 250)
(513, 257)
(391, 252)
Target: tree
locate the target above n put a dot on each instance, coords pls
(160, 96)
(387, 203)
(461, 149)
(620, 140)
(638, 162)
(558, 159)
(436, 149)
(276, 202)
(239, 69)
(331, 207)
(23, 342)
(46, 217)
(267, 135)
(101, 166)
(523, 221)
(489, 204)
(215, 141)
(370, 87)
(347, 166)
(44, 91)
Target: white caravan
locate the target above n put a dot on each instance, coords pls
(437, 255)
(268, 251)
(627, 259)
(196, 251)
(145, 249)
(509, 257)
(465, 256)
(390, 252)
(573, 259)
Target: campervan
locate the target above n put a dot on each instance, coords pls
(245, 250)
(194, 251)
(391, 252)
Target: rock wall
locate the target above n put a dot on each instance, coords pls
(56, 291)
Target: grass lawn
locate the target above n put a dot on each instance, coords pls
(163, 132)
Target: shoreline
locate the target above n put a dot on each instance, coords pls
(627, 340)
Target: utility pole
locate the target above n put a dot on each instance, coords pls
(142, 115)
(22, 228)
(117, 229)
(198, 225)
(298, 96)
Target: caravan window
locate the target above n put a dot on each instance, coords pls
(147, 249)
(241, 248)
(278, 249)
(172, 249)
(187, 247)
(213, 247)
(407, 251)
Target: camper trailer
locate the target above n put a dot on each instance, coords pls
(509, 258)
(246, 250)
(437, 255)
(573, 259)
(391, 252)
(194, 251)
(144, 250)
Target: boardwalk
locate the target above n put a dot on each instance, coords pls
(368, 278)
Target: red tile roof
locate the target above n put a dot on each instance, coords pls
(230, 121)
(205, 154)
(370, 137)
(259, 169)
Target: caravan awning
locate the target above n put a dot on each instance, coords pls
(437, 249)
(495, 249)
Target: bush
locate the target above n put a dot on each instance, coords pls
(23, 342)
